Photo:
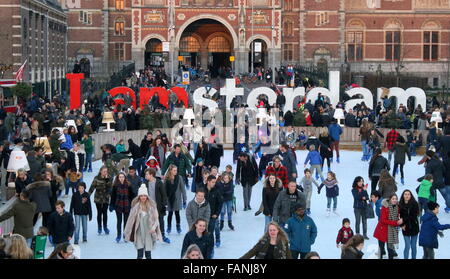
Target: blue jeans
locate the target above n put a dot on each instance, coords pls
(139, 165)
(334, 199)
(390, 152)
(73, 185)
(267, 220)
(88, 163)
(445, 192)
(365, 148)
(80, 220)
(410, 242)
(423, 205)
(226, 207)
(29, 241)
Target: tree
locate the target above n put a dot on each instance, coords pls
(22, 90)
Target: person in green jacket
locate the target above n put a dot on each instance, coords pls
(89, 149)
(425, 192)
(23, 213)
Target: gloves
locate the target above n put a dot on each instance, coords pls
(441, 234)
(111, 208)
(184, 205)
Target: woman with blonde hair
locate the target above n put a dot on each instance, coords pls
(274, 244)
(176, 196)
(142, 227)
(193, 252)
(325, 148)
(19, 249)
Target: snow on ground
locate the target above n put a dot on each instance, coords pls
(248, 228)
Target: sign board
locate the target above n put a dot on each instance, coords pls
(258, 46)
(180, 58)
(186, 77)
(231, 58)
(166, 46)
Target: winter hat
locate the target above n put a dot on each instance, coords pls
(298, 205)
(199, 160)
(143, 190)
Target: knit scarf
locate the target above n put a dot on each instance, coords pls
(393, 231)
(329, 183)
(171, 188)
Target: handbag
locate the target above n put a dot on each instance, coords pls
(370, 214)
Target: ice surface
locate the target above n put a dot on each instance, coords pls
(248, 228)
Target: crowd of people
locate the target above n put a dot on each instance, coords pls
(146, 183)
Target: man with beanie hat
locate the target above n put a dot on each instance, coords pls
(302, 232)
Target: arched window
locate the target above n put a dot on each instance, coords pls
(355, 40)
(431, 32)
(189, 44)
(119, 27)
(219, 44)
(153, 45)
(288, 28)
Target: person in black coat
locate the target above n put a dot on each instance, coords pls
(247, 174)
(198, 235)
(376, 165)
(409, 212)
(214, 198)
(80, 207)
(447, 179)
(435, 167)
(60, 224)
(215, 152)
(21, 181)
(136, 154)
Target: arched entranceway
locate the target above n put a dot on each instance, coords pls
(153, 53)
(259, 54)
(208, 44)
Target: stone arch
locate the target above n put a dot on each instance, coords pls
(151, 36)
(393, 24)
(207, 16)
(355, 23)
(255, 37)
(431, 24)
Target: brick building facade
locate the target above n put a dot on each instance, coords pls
(360, 35)
(35, 31)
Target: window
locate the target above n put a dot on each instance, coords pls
(288, 29)
(393, 51)
(120, 4)
(322, 18)
(219, 44)
(85, 17)
(355, 46)
(288, 52)
(119, 27)
(430, 45)
(288, 5)
(189, 44)
(119, 51)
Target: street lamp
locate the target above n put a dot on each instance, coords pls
(252, 44)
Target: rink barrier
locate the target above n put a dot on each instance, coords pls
(7, 225)
(350, 139)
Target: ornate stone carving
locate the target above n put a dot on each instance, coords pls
(154, 16)
(181, 16)
(232, 17)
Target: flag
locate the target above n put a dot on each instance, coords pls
(19, 73)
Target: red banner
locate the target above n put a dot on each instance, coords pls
(75, 90)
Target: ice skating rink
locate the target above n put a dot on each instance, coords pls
(248, 228)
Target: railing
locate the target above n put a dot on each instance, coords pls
(7, 225)
(349, 138)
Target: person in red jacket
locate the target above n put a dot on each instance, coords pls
(308, 118)
(388, 226)
(278, 170)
